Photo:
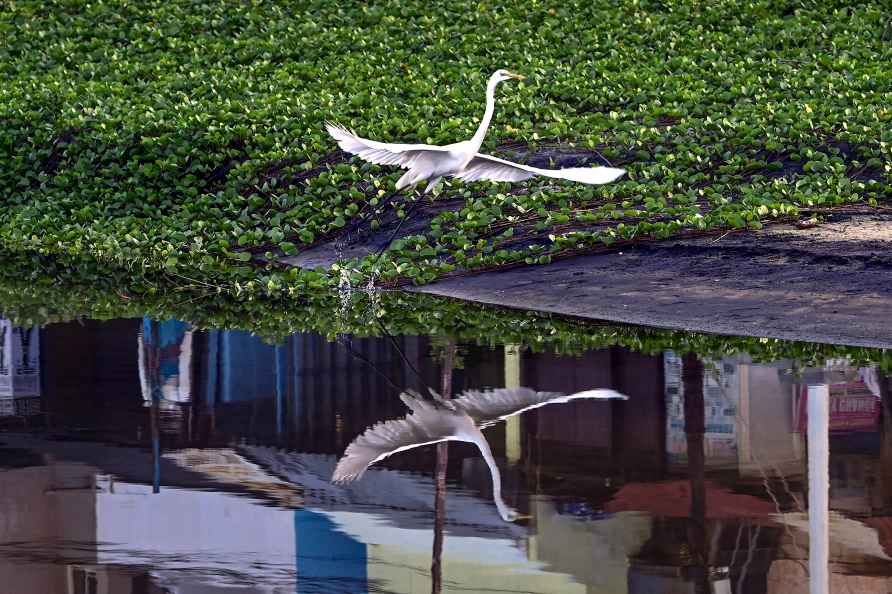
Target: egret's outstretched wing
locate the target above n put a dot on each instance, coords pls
(495, 169)
(425, 426)
(381, 153)
(491, 406)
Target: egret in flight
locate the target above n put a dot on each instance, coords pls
(435, 420)
(428, 162)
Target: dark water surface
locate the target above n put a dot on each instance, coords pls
(145, 457)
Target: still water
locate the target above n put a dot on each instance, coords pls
(148, 457)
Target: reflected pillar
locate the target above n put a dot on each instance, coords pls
(513, 440)
(819, 487)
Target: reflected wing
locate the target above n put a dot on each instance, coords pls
(425, 426)
(491, 406)
(381, 153)
(495, 169)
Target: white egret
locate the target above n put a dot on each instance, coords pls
(435, 420)
(461, 159)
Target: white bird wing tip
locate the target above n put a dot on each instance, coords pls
(602, 393)
(337, 131)
(587, 175)
(617, 172)
(342, 478)
(598, 175)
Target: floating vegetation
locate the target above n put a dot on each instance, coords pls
(187, 136)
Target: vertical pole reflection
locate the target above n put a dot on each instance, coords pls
(513, 439)
(156, 447)
(281, 378)
(156, 408)
(442, 461)
(818, 403)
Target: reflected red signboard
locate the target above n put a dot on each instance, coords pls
(853, 407)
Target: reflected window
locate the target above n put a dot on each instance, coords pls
(84, 582)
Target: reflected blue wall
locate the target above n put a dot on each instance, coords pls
(307, 393)
(327, 560)
(245, 367)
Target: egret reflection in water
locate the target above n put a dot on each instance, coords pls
(436, 420)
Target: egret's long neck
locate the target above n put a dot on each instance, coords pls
(481, 442)
(478, 137)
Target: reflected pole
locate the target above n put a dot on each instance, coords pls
(819, 488)
(156, 447)
(281, 378)
(513, 436)
(156, 408)
(442, 461)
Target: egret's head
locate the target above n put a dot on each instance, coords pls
(512, 515)
(509, 514)
(500, 75)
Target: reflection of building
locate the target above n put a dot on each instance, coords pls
(42, 520)
(621, 439)
(91, 378)
(307, 393)
(721, 394)
(608, 483)
(750, 441)
(19, 370)
(103, 532)
(109, 579)
(222, 385)
(199, 538)
(767, 444)
(596, 552)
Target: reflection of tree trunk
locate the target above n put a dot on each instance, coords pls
(694, 428)
(442, 460)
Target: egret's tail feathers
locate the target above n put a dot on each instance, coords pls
(496, 169)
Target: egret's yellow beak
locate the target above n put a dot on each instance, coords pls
(523, 517)
(513, 75)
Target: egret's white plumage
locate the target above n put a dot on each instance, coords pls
(427, 162)
(435, 420)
